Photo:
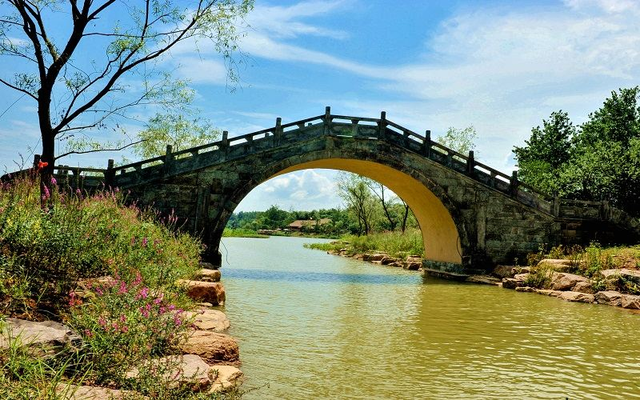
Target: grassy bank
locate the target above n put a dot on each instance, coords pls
(589, 261)
(53, 249)
(243, 233)
(395, 244)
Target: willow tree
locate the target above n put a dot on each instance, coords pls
(87, 63)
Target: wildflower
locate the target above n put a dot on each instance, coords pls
(159, 299)
(144, 242)
(47, 194)
(124, 329)
(102, 322)
(177, 321)
(133, 240)
(123, 319)
(123, 288)
(171, 307)
(138, 279)
(53, 181)
(88, 333)
(143, 294)
(42, 165)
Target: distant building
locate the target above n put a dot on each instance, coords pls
(300, 224)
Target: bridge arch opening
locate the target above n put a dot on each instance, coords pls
(439, 230)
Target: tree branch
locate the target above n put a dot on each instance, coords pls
(18, 89)
(98, 150)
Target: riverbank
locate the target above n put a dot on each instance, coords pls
(609, 276)
(97, 296)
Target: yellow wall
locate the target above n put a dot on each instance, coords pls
(441, 240)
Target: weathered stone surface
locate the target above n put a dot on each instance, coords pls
(610, 297)
(577, 297)
(209, 275)
(526, 289)
(627, 274)
(558, 265)
(188, 369)
(211, 346)
(583, 287)
(630, 301)
(226, 376)
(486, 279)
(374, 257)
(388, 260)
(210, 292)
(75, 392)
(207, 265)
(511, 283)
(208, 320)
(504, 271)
(549, 292)
(565, 281)
(48, 333)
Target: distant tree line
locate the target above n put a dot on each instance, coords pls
(370, 207)
(598, 160)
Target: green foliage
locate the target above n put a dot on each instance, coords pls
(547, 151)
(460, 140)
(241, 232)
(599, 161)
(595, 260)
(44, 251)
(539, 277)
(395, 244)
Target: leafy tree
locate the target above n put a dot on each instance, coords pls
(50, 39)
(359, 199)
(460, 140)
(605, 161)
(542, 160)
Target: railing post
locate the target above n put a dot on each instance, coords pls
(327, 120)
(426, 145)
(278, 130)
(168, 159)
(224, 143)
(109, 175)
(556, 205)
(382, 125)
(513, 184)
(470, 163)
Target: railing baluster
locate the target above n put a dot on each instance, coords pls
(426, 144)
(382, 124)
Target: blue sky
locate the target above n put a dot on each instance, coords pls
(501, 66)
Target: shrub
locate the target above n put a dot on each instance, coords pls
(539, 277)
(45, 250)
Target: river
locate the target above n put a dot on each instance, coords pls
(312, 325)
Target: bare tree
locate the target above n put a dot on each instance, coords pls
(49, 40)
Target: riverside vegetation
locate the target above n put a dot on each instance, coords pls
(53, 250)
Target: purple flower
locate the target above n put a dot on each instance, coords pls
(144, 292)
(144, 242)
(53, 181)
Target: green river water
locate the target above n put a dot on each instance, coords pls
(312, 325)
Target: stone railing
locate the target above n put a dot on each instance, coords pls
(341, 126)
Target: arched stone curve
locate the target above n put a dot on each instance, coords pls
(443, 233)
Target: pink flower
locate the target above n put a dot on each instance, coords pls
(102, 322)
(144, 292)
(123, 288)
(123, 319)
(138, 279)
(53, 181)
(159, 299)
(144, 242)
(88, 333)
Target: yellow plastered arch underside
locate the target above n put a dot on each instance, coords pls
(439, 233)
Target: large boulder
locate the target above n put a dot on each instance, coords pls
(226, 376)
(211, 346)
(565, 281)
(577, 297)
(631, 275)
(630, 301)
(374, 257)
(188, 369)
(557, 264)
(208, 320)
(210, 292)
(47, 333)
(517, 281)
(207, 265)
(583, 287)
(413, 263)
(609, 297)
(209, 275)
(504, 271)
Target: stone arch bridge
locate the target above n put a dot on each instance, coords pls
(471, 216)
